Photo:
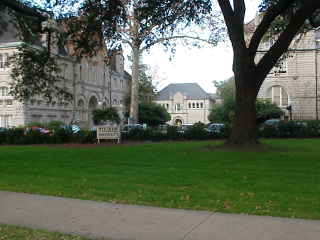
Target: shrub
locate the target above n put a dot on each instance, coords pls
(55, 125)
(103, 115)
(196, 132)
(173, 134)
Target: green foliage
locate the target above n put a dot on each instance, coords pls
(103, 115)
(153, 114)
(223, 112)
(226, 111)
(267, 110)
(55, 124)
(225, 89)
(196, 132)
(35, 72)
(146, 88)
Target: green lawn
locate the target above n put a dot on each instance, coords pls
(283, 179)
(21, 233)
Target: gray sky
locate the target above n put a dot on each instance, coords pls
(195, 65)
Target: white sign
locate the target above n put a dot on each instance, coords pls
(108, 132)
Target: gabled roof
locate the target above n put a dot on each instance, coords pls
(191, 90)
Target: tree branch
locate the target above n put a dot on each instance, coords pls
(160, 40)
(268, 18)
(239, 9)
(234, 25)
(281, 46)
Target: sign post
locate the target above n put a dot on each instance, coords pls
(108, 132)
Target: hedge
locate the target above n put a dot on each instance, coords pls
(291, 129)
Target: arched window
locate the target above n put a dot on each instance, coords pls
(197, 105)
(193, 105)
(278, 95)
(201, 105)
(189, 105)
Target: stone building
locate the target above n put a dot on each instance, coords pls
(294, 81)
(187, 103)
(92, 84)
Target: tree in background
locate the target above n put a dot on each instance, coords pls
(225, 112)
(153, 114)
(293, 16)
(146, 86)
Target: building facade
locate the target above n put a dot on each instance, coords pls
(187, 103)
(293, 83)
(92, 84)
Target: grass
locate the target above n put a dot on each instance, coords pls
(20, 233)
(283, 179)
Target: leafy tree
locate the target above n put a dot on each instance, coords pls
(153, 114)
(41, 75)
(226, 111)
(146, 87)
(249, 75)
(148, 22)
(267, 110)
(103, 115)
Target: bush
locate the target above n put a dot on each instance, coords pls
(104, 115)
(291, 129)
(196, 132)
(173, 134)
(55, 125)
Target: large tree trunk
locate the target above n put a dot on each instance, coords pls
(134, 101)
(244, 130)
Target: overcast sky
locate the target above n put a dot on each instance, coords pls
(195, 65)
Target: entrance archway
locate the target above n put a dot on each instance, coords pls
(178, 122)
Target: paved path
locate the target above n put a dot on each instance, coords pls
(125, 222)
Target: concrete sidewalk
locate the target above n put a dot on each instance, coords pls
(125, 222)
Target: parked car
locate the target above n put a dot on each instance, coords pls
(215, 127)
(272, 121)
(2, 129)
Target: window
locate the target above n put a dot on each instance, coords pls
(4, 91)
(197, 105)
(317, 39)
(189, 105)
(9, 102)
(5, 121)
(4, 60)
(278, 95)
(167, 105)
(193, 105)
(178, 107)
(121, 83)
(201, 105)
